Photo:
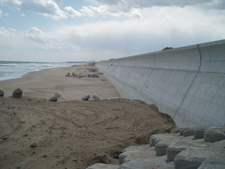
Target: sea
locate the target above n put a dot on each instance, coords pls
(13, 69)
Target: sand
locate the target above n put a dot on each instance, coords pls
(44, 83)
(73, 133)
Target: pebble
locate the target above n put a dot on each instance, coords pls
(34, 145)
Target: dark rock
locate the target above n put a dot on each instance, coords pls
(44, 156)
(86, 97)
(94, 76)
(74, 75)
(25, 135)
(53, 99)
(17, 93)
(1, 93)
(67, 75)
(5, 137)
(34, 145)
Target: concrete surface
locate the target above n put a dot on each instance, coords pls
(181, 153)
(214, 134)
(213, 163)
(191, 159)
(161, 147)
(156, 138)
(139, 154)
(195, 145)
(187, 83)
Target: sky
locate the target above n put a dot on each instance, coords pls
(84, 30)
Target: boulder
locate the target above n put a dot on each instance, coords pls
(67, 75)
(53, 99)
(86, 97)
(96, 97)
(17, 93)
(59, 96)
(1, 93)
(74, 74)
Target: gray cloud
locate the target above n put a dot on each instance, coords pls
(13, 3)
(46, 8)
(217, 4)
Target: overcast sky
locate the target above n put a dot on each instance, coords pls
(77, 30)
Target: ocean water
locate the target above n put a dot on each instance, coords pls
(12, 70)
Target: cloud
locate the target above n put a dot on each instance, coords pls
(1, 13)
(135, 13)
(10, 33)
(159, 27)
(36, 35)
(23, 15)
(86, 11)
(46, 8)
(217, 4)
(13, 3)
(71, 12)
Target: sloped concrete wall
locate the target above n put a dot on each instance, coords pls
(187, 83)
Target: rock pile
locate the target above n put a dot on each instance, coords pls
(182, 148)
(92, 74)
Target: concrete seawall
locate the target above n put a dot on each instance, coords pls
(188, 83)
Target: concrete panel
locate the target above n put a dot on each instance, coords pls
(138, 77)
(204, 102)
(185, 58)
(145, 60)
(213, 57)
(168, 88)
(187, 83)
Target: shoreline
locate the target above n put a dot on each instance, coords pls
(22, 72)
(43, 83)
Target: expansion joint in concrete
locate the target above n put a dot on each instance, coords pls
(200, 59)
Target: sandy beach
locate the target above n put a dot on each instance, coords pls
(36, 133)
(44, 83)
